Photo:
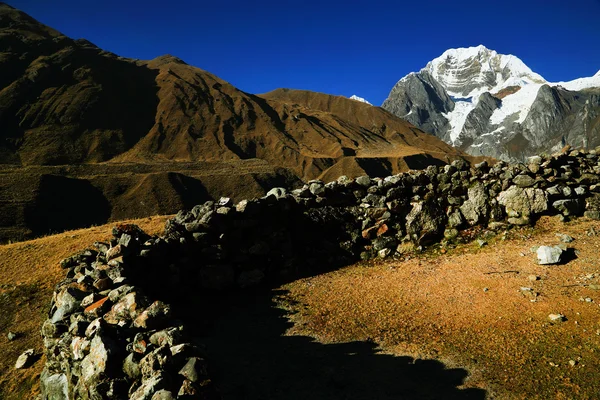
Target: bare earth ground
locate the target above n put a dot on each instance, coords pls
(28, 272)
(451, 325)
(466, 309)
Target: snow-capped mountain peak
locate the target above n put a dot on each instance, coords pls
(469, 71)
(355, 97)
(493, 104)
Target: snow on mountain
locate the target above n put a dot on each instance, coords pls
(468, 72)
(355, 97)
(517, 104)
(457, 117)
(581, 83)
(480, 100)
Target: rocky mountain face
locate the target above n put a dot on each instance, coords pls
(491, 104)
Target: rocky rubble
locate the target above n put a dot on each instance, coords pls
(105, 338)
(111, 334)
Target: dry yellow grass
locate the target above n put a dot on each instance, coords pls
(466, 309)
(28, 272)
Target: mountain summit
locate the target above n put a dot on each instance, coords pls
(493, 104)
(467, 72)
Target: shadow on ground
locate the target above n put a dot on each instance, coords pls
(251, 359)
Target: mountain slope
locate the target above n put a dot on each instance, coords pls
(491, 104)
(55, 102)
(134, 138)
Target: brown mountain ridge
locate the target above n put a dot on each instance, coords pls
(129, 123)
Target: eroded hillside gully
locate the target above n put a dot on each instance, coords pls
(124, 323)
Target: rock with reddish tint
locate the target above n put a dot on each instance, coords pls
(98, 308)
(370, 233)
(128, 308)
(382, 230)
(154, 316)
(140, 343)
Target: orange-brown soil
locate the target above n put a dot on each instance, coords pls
(470, 308)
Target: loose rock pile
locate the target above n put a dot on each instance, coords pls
(110, 333)
(105, 338)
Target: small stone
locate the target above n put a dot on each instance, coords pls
(188, 388)
(523, 181)
(533, 278)
(25, 359)
(557, 317)
(384, 253)
(278, 192)
(114, 252)
(11, 336)
(225, 202)
(565, 238)
(194, 369)
(317, 188)
(90, 299)
(549, 255)
(163, 395)
(481, 243)
(486, 289)
(153, 316)
(572, 363)
(98, 308)
(363, 181)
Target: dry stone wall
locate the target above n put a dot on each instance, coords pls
(111, 331)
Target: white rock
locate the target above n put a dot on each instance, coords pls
(24, 359)
(557, 317)
(549, 255)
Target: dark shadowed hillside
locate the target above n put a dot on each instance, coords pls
(66, 102)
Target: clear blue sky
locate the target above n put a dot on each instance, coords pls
(338, 47)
